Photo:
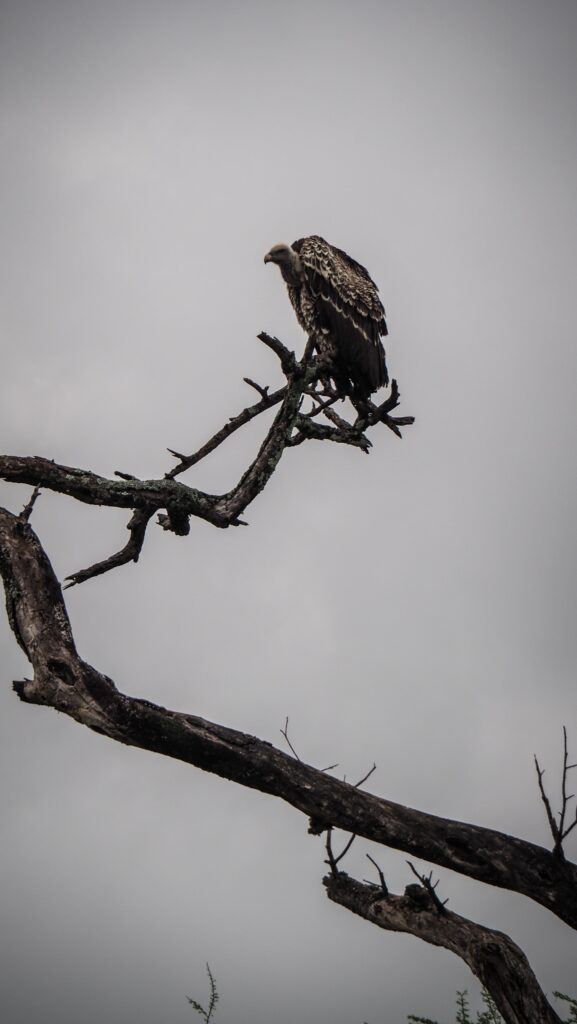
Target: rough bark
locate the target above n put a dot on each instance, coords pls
(291, 427)
(498, 963)
(64, 681)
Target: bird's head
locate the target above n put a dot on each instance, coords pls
(287, 260)
(281, 253)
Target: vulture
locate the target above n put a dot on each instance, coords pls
(337, 303)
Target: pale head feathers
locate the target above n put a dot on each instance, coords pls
(287, 260)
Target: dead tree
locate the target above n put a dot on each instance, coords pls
(62, 680)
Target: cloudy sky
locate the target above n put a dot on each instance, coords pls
(415, 608)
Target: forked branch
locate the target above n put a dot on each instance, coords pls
(559, 829)
(176, 502)
(498, 963)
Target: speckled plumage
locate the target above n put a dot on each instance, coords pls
(337, 302)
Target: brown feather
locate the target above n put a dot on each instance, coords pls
(343, 299)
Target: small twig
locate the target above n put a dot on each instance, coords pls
(124, 476)
(381, 875)
(320, 407)
(346, 848)
(564, 798)
(558, 829)
(330, 857)
(27, 510)
(365, 777)
(340, 422)
(427, 883)
(545, 799)
(263, 392)
(284, 732)
(332, 861)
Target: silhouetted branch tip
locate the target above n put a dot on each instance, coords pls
(428, 887)
(284, 732)
(365, 777)
(27, 510)
(559, 829)
(331, 860)
(263, 392)
(384, 888)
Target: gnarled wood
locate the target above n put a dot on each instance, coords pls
(499, 964)
(64, 681)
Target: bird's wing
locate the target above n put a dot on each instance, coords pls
(348, 304)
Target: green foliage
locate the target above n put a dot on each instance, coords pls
(490, 1015)
(572, 1018)
(207, 1014)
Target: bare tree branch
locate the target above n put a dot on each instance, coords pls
(331, 860)
(384, 888)
(284, 732)
(558, 829)
(427, 884)
(498, 963)
(62, 680)
(180, 502)
(129, 553)
(267, 401)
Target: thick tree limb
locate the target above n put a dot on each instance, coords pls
(499, 964)
(62, 680)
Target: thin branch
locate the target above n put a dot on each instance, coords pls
(384, 888)
(365, 777)
(545, 799)
(427, 883)
(320, 407)
(331, 860)
(284, 732)
(286, 736)
(564, 832)
(129, 553)
(559, 830)
(263, 392)
(267, 401)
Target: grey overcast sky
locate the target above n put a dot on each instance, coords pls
(415, 608)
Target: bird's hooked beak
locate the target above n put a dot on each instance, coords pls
(268, 258)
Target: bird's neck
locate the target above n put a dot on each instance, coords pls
(292, 270)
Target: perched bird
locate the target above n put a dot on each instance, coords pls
(337, 303)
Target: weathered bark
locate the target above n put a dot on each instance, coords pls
(64, 681)
(290, 427)
(499, 964)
